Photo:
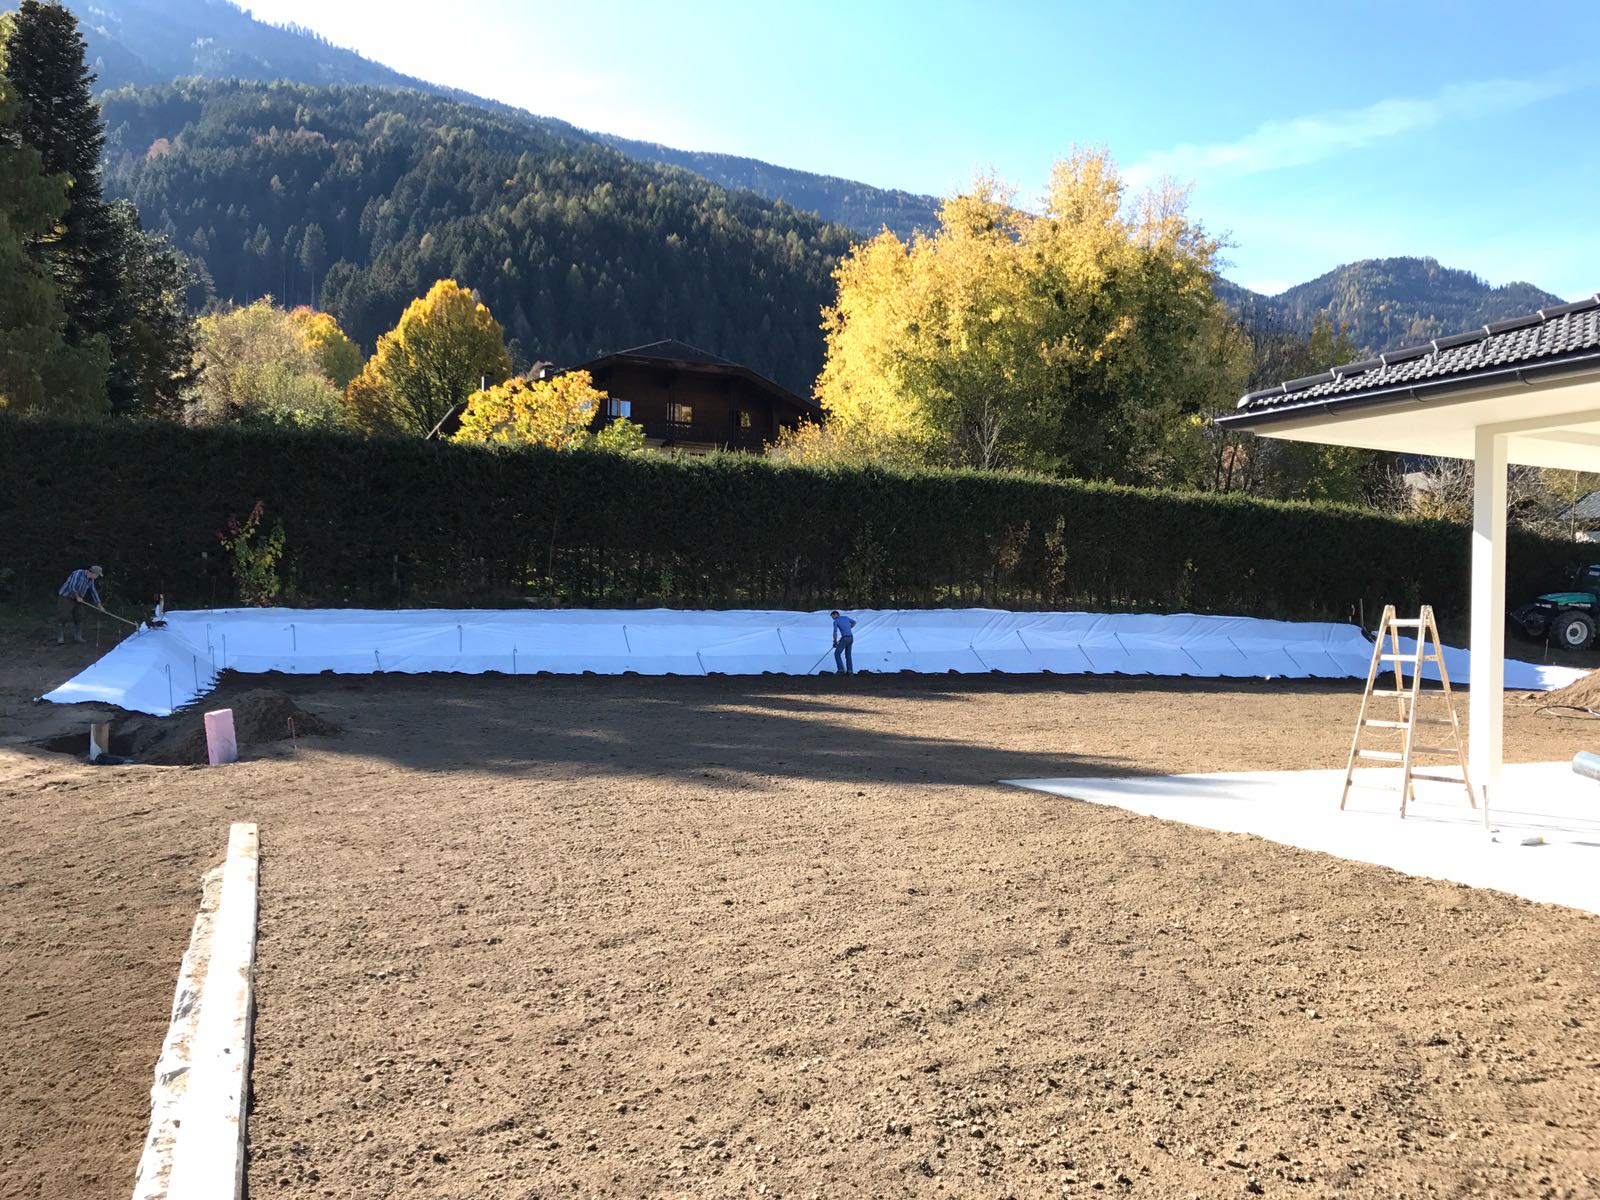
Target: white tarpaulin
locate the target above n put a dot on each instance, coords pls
(160, 670)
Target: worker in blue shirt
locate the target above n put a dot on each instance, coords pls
(77, 591)
(844, 638)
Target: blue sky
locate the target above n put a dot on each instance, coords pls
(1312, 134)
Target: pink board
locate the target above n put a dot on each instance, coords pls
(221, 745)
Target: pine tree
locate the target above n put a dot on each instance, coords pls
(313, 254)
(39, 370)
(57, 116)
(120, 286)
(154, 343)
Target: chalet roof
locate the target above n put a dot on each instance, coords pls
(672, 353)
(672, 350)
(1586, 509)
(1553, 341)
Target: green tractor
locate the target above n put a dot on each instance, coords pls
(1567, 619)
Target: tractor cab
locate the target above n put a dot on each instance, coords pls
(1568, 619)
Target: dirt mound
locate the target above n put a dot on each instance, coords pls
(258, 717)
(1584, 693)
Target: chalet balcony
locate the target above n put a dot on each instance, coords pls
(703, 433)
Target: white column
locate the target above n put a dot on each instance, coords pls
(1487, 702)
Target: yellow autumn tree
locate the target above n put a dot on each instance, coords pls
(443, 348)
(1064, 339)
(339, 357)
(557, 413)
(869, 329)
(255, 367)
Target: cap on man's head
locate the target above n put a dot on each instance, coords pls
(97, 570)
(834, 613)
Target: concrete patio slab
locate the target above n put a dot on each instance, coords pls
(1440, 838)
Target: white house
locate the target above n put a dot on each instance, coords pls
(1520, 391)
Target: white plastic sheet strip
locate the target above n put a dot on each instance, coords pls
(160, 670)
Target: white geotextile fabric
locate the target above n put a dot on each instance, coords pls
(160, 670)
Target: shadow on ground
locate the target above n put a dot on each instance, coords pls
(736, 731)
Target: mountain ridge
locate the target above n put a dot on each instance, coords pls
(1385, 303)
(1381, 302)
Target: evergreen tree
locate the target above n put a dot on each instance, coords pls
(44, 67)
(313, 254)
(154, 343)
(39, 370)
(121, 288)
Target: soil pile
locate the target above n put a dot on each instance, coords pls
(1584, 693)
(258, 716)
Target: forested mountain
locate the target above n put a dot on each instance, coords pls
(366, 196)
(135, 42)
(138, 42)
(1381, 303)
(856, 206)
(1384, 303)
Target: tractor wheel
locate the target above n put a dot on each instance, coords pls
(1572, 631)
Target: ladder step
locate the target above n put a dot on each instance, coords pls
(1406, 623)
(1404, 724)
(1416, 773)
(1406, 694)
(1397, 756)
(1408, 658)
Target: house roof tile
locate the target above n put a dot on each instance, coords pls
(1552, 338)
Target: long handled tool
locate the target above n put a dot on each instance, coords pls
(156, 622)
(99, 609)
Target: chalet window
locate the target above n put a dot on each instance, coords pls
(680, 414)
(744, 419)
(618, 408)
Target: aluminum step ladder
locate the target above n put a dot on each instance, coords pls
(1408, 697)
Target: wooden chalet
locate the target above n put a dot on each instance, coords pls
(689, 399)
(686, 399)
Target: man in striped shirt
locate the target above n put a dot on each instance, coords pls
(77, 591)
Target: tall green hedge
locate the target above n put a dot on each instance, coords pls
(412, 523)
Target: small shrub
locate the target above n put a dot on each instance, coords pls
(254, 557)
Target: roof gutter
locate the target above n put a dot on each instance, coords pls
(1527, 374)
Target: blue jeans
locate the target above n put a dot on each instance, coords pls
(842, 662)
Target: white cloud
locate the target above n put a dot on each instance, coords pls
(1292, 143)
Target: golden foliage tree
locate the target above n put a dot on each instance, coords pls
(439, 353)
(257, 367)
(1066, 340)
(339, 357)
(557, 413)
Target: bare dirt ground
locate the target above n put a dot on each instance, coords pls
(630, 937)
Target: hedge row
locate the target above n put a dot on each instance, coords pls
(411, 523)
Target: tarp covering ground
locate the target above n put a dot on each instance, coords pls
(159, 671)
